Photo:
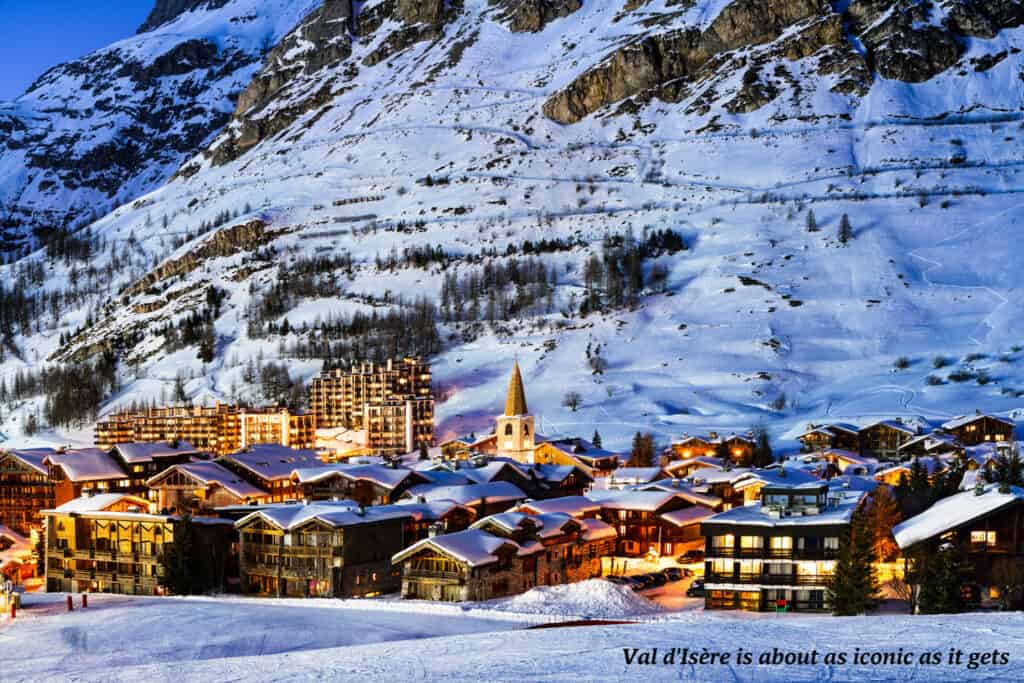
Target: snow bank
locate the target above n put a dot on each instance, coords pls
(595, 598)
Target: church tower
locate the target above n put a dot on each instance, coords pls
(515, 428)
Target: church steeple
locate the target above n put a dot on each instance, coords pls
(515, 402)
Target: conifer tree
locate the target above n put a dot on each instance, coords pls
(762, 455)
(812, 222)
(178, 560)
(1009, 471)
(882, 515)
(845, 229)
(642, 454)
(596, 439)
(940, 577)
(853, 588)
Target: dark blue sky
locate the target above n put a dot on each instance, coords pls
(38, 34)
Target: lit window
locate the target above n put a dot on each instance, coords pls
(983, 537)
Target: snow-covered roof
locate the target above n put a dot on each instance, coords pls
(849, 456)
(474, 547)
(892, 424)
(273, 461)
(781, 477)
(596, 530)
(430, 512)
(212, 473)
(639, 475)
(486, 473)
(647, 501)
(332, 513)
(13, 537)
(144, 451)
(32, 457)
(688, 516)
(931, 441)
(381, 475)
(830, 428)
(580, 448)
(510, 521)
(20, 549)
(682, 489)
(705, 461)
(755, 515)
(445, 477)
(962, 420)
(954, 511)
(570, 505)
(100, 503)
(473, 494)
(852, 482)
(982, 453)
(87, 464)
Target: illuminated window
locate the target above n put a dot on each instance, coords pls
(751, 542)
(782, 543)
(983, 537)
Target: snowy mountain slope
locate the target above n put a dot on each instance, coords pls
(412, 124)
(92, 134)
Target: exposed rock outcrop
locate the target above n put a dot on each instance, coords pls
(531, 16)
(169, 10)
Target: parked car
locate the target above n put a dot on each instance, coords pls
(641, 582)
(618, 580)
(691, 556)
(657, 579)
(673, 573)
(696, 589)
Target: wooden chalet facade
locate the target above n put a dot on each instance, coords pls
(321, 550)
(108, 544)
(834, 435)
(364, 484)
(25, 489)
(575, 452)
(739, 447)
(783, 548)
(979, 428)
(503, 555)
(639, 521)
(201, 488)
(883, 439)
(269, 467)
(986, 524)
(87, 471)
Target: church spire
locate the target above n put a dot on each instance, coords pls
(515, 403)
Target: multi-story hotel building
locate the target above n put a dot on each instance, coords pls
(779, 552)
(390, 402)
(219, 429)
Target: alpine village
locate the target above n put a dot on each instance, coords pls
(356, 498)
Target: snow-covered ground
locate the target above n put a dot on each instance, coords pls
(121, 638)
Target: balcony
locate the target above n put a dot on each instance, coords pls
(773, 553)
(987, 548)
(768, 579)
(425, 574)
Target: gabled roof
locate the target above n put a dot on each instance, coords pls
(469, 495)
(892, 424)
(487, 473)
(640, 475)
(570, 505)
(781, 477)
(212, 474)
(145, 452)
(87, 464)
(648, 501)
(33, 458)
(100, 503)
(962, 420)
(335, 514)
(704, 461)
(474, 547)
(595, 530)
(272, 461)
(445, 477)
(688, 516)
(430, 512)
(381, 475)
(684, 490)
(932, 441)
(952, 512)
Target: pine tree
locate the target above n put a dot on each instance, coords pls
(853, 588)
(722, 451)
(940, 577)
(642, 454)
(762, 455)
(596, 439)
(1009, 471)
(845, 229)
(812, 222)
(178, 561)
(883, 514)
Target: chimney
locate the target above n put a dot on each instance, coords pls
(436, 529)
(361, 510)
(712, 435)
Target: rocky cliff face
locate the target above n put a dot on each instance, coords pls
(99, 131)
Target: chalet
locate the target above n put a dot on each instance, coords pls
(17, 561)
(269, 467)
(638, 518)
(883, 439)
(688, 493)
(933, 443)
(738, 447)
(721, 484)
(437, 517)
(986, 523)
(466, 446)
(364, 484)
(970, 430)
(85, 471)
(689, 466)
(144, 460)
(986, 455)
(201, 487)
(833, 435)
(556, 481)
(505, 554)
(843, 460)
(781, 548)
(25, 489)
(752, 485)
(322, 549)
(576, 452)
(108, 543)
(484, 499)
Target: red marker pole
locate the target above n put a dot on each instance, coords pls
(14, 610)
(85, 600)
(71, 606)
